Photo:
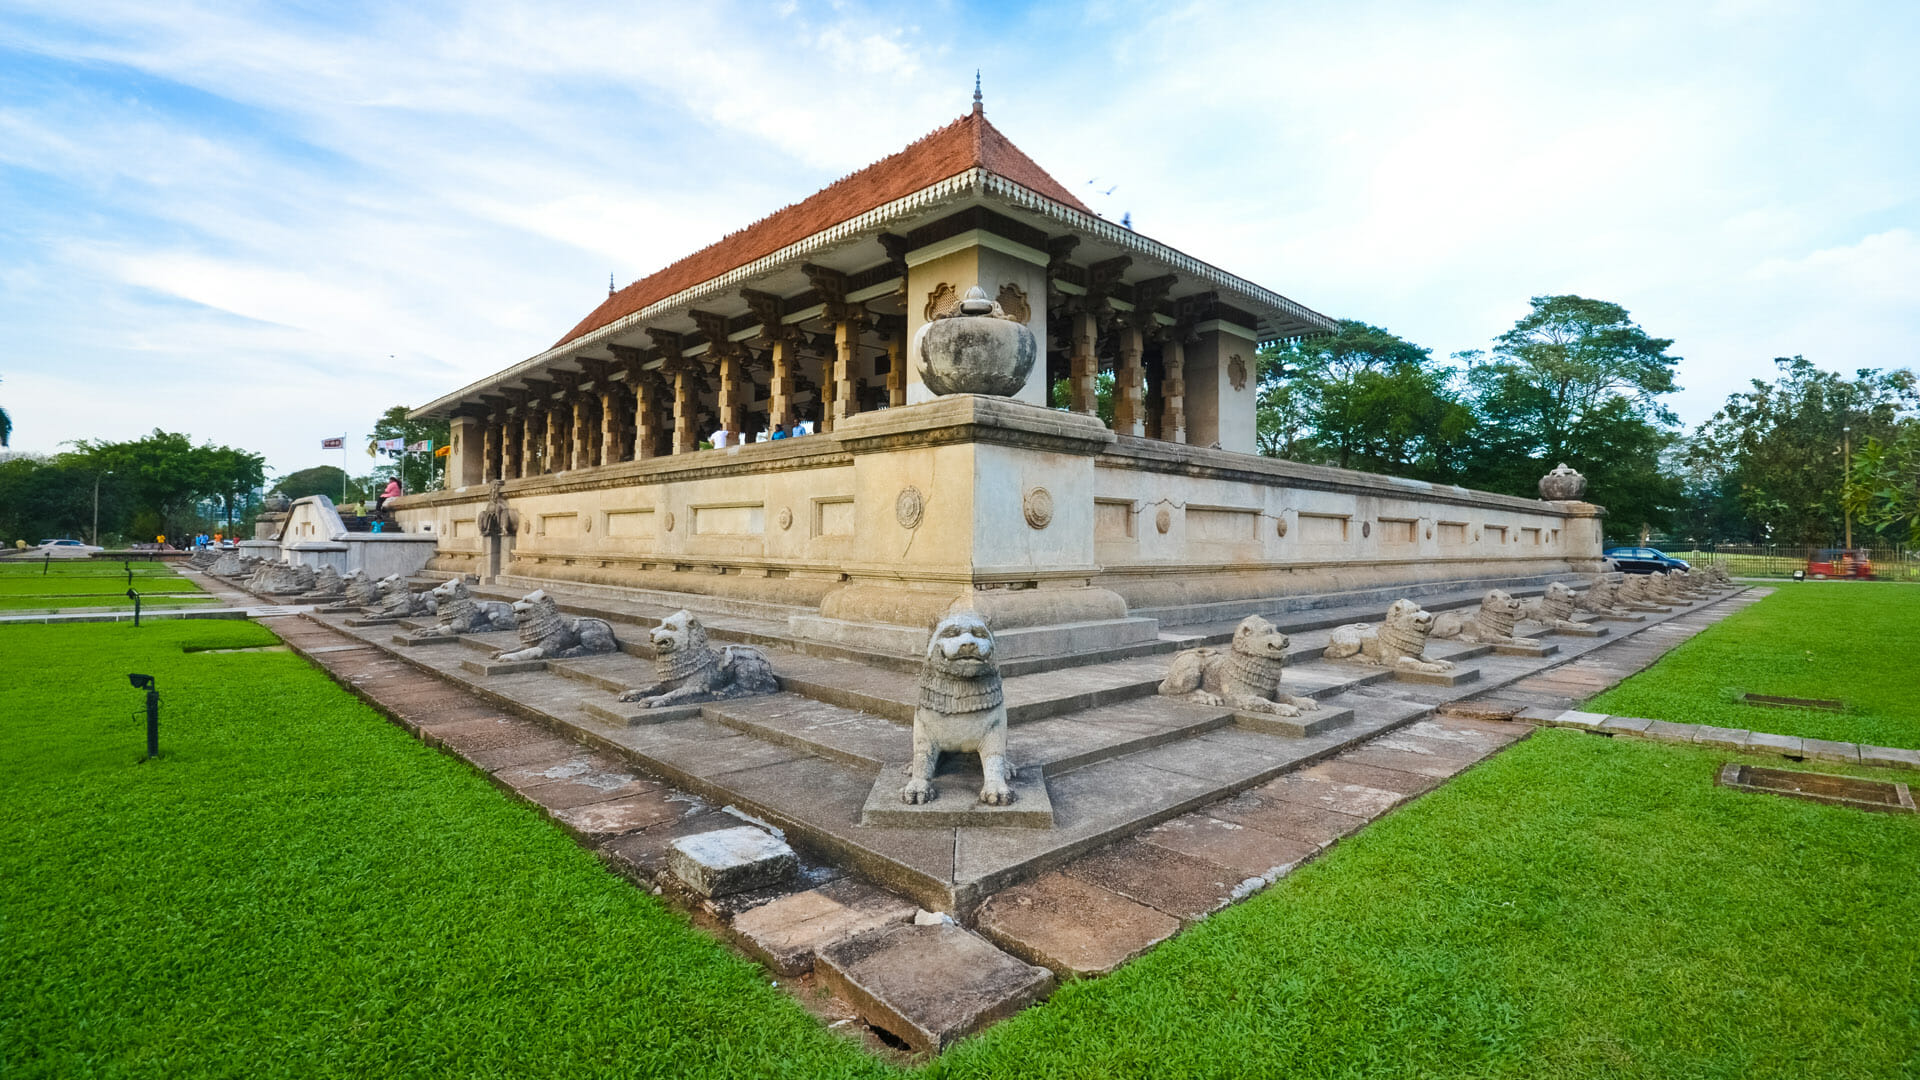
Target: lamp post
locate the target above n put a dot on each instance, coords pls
(96, 503)
(1846, 465)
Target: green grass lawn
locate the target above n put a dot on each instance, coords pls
(18, 604)
(88, 578)
(1855, 642)
(300, 889)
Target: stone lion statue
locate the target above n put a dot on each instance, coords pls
(229, 564)
(1601, 598)
(326, 586)
(398, 602)
(692, 671)
(960, 710)
(360, 590)
(1399, 642)
(1490, 624)
(1552, 608)
(545, 634)
(1719, 575)
(1244, 676)
(1641, 589)
(461, 613)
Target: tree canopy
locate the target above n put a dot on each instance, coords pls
(148, 487)
(418, 471)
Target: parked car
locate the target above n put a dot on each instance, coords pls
(1644, 560)
(1839, 562)
(68, 549)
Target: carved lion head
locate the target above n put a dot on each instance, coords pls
(1256, 636)
(1408, 616)
(962, 644)
(679, 632)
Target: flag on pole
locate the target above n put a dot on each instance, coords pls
(422, 446)
(395, 445)
(339, 443)
(443, 451)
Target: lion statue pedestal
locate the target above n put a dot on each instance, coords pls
(690, 671)
(1399, 644)
(961, 711)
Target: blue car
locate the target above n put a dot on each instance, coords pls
(1644, 560)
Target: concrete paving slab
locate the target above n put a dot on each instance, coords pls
(503, 667)
(1721, 737)
(732, 860)
(930, 985)
(1667, 731)
(788, 932)
(1631, 725)
(1357, 800)
(1526, 648)
(1890, 757)
(576, 763)
(589, 788)
(1784, 745)
(524, 753)
(1829, 750)
(1342, 770)
(1185, 887)
(1074, 928)
(1456, 677)
(1293, 820)
(1248, 852)
(642, 856)
(599, 821)
(1430, 765)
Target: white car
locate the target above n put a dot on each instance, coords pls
(68, 549)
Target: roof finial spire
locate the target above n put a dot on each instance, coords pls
(977, 109)
(610, 289)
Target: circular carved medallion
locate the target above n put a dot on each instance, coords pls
(669, 522)
(1280, 526)
(785, 519)
(1163, 520)
(909, 507)
(1366, 528)
(1039, 507)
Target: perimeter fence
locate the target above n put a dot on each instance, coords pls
(1897, 563)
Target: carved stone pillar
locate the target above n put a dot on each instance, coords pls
(732, 411)
(1173, 390)
(529, 464)
(897, 364)
(557, 436)
(581, 428)
(490, 451)
(646, 417)
(845, 370)
(780, 403)
(1085, 365)
(1129, 380)
(686, 412)
(613, 430)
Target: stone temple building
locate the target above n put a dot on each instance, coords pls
(635, 453)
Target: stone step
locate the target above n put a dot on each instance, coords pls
(929, 985)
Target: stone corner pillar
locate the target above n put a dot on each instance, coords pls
(466, 461)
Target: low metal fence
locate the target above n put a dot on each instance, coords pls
(1897, 563)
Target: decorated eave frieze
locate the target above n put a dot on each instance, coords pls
(1227, 298)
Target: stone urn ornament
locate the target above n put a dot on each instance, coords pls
(975, 348)
(1562, 485)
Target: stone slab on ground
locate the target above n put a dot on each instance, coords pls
(1667, 731)
(1356, 800)
(1784, 745)
(1829, 750)
(1249, 852)
(930, 985)
(631, 814)
(1295, 727)
(1294, 820)
(1890, 757)
(1438, 678)
(503, 667)
(1074, 928)
(957, 804)
(642, 856)
(632, 715)
(732, 860)
(1187, 888)
(1632, 725)
(425, 639)
(1526, 648)
(1722, 737)
(787, 933)
(1574, 718)
(1344, 770)
(1583, 631)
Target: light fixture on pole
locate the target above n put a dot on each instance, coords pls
(96, 503)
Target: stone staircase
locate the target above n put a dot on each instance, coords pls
(1113, 756)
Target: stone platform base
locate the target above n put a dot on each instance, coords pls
(1438, 678)
(503, 667)
(1295, 727)
(1062, 639)
(1526, 648)
(958, 805)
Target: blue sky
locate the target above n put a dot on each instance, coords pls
(264, 224)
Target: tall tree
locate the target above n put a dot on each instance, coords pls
(164, 476)
(417, 469)
(6, 428)
(1364, 398)
(1577, 380)
(1780, 446)
(1884, 485)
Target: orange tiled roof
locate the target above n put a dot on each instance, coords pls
(967, 143)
